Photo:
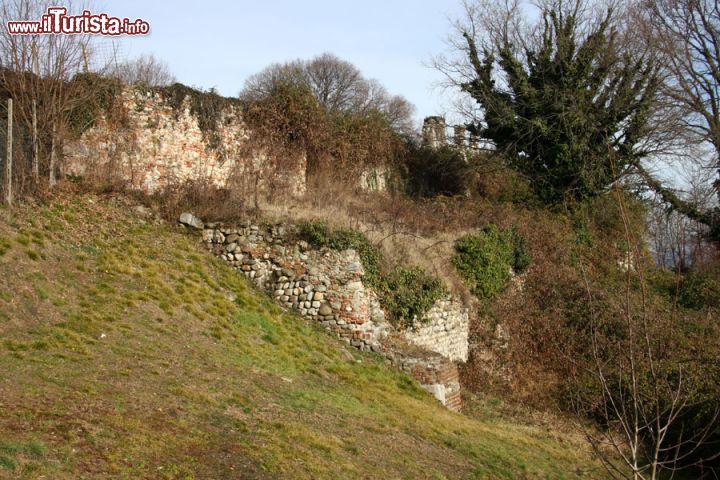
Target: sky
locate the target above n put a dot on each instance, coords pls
(220, 43)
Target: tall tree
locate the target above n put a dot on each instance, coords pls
(686, 36)
(563, 101)
(338, 86)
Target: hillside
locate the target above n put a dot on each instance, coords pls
(129, 352)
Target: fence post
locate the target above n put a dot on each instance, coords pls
(51, 175)
(9, 157)
(35, 142)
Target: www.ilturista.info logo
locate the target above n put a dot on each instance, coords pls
(56, 21)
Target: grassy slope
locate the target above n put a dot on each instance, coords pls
(128, 352)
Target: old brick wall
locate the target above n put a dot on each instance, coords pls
(159, 144)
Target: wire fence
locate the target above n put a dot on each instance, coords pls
(3, 125)
(3, 147)
(21, 151)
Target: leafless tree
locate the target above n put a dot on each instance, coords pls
(640, 392)
(679, 242)
(36, 70)
(337, 85)
(146, 69)
(685, 34)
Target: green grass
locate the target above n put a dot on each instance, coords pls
(128, 352)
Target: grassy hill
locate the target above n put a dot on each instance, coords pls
(126, 351)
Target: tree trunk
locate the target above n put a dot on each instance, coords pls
(35, 145)
(9, 157)
(51, 177)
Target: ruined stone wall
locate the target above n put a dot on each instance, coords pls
(444, 329)
(326, 286)
(323, 285)
(159, 145)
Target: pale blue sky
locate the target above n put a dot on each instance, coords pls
(220, 43)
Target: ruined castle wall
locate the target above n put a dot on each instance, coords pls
(435, 373)
(159, 145)
(323, 285)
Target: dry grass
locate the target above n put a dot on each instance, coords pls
(421, 233)
(128, 352)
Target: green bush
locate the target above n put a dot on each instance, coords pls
(405, 292)
(410, 292)
(485, 259)
(698, 290)
(521, 252)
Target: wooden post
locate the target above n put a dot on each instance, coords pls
(85, 57)
(9, 157)
(35, 145)
(51, 176)
(35, 140)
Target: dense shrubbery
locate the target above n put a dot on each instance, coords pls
(287, 118)
(338, 145)
(698, 290)
(409, 292)
(101, 93)
(344, 123)
(485, 259)
(435, 171)
(405, 293)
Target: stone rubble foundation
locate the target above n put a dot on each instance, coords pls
(326, 286)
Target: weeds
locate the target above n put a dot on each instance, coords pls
(406, 293)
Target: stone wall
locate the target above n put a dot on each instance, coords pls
(444, 329)
(323, 285)
(326, 286)
(159, 144)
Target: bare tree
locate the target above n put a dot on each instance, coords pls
(637, 382)
(686, 37)
(337, 85)
(36, 70)
(146, 69)
(679, 242)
